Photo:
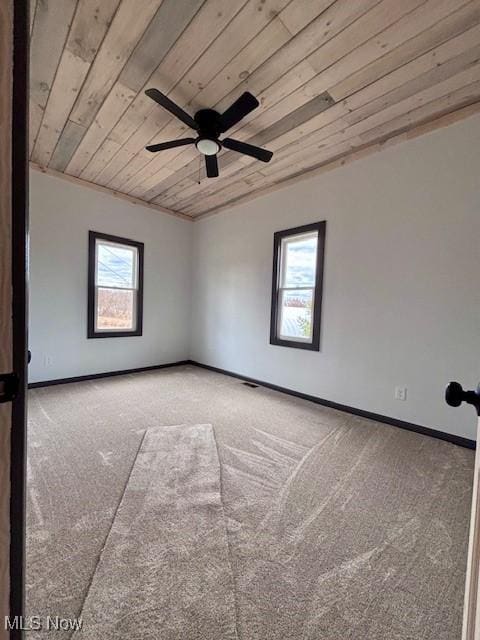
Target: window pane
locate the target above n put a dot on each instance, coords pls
(116, 265)
(299, 258)
(115, 309)
(296, 314)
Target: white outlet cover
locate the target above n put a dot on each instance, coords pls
(400, 393)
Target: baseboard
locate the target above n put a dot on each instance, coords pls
(395, 422)
(106, 374)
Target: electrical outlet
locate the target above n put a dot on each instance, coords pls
(48, 361)
(400, 393)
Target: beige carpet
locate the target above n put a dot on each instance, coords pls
(338, 527)
(165, 569)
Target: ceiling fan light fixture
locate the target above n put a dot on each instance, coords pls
(209, 125)
(207, 146)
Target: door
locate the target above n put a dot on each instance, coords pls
(454, 396)
(13, 340)
(471, 612)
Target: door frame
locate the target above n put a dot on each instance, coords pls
(19, 194)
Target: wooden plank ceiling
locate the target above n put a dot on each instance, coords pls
(388, 65)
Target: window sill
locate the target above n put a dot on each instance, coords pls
(294, 344)
(114, 334)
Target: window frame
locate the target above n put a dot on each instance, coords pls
(278, 237)
(92, 332)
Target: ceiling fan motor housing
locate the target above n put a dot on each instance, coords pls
(208, 121)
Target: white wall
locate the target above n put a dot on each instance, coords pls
(61, 214)
(401, 301)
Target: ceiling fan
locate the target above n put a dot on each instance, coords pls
(210, 125)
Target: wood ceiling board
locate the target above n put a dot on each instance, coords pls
(161, 34)
(360, 92)
(268, 41)
(163, 31)
(376, 136)
(186, 184)
(273, 37)
(295, 17)
(249, 21)
(175, 17)
(286, 148)
(97, 163)
(434, 58)
(350, 36)
(89, 26)
(68, 142)
(403, 28)
(455, 99)
(291, 158)
(428, 79)
(323, 28)
(390, 66)
(287, 70)
(120, 169)
(127, 28)
(286, 139)
(207, 24)
(366, 150)
(305, 112)
(114, 105)
(428, 95)
(71, 73)
(50, 31)
(455, 23)
(131, 164)
(121, 96)
(149, 178)
(159, 125)
(410, 23)
(439, 101)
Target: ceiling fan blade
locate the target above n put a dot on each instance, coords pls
(212, 166)
(238, 110)
(169, 145)
(248, 149)
(167, 104)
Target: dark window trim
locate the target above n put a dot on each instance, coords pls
(91, 333)
(317, 308)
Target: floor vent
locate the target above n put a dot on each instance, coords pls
(250, 384)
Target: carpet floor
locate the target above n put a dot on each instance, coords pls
(165, 564)
(338, 527)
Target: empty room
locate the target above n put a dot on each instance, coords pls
(240, 319)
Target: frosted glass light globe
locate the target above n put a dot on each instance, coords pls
(208, 147)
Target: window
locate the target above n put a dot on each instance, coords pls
(115, 286)
(297, 286)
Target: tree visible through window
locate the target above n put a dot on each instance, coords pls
(297, 286)
(115, 286)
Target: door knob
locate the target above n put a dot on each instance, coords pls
(455, 395)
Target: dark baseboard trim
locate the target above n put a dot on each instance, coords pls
(106, 374)
(395, 422)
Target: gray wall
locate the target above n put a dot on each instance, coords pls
(61, 215)
(401, 299)
(401, 302)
